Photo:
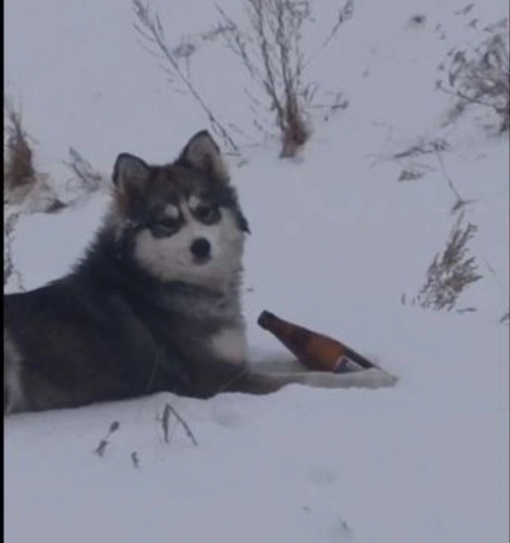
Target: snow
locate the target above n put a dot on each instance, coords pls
(336, 241)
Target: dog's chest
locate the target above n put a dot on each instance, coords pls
(204, 329)
(203, 344)
(229, 345)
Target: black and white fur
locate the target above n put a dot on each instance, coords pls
(155, 303)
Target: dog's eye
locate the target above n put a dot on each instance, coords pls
(208, 214)
(165, 227)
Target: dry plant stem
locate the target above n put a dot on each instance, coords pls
(344, 14)
(492, 271)
(271, 53)
(289, 115)
(19, 170)
(165, 423)
(471, 99)
(158, 362)
(423, 148)
(481, 75)
(151, 30)
(460, 202)
(83, 170)
(451, 272)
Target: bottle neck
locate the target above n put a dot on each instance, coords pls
(284, 330)
(269, 321)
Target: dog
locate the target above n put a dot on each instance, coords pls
(154, 305)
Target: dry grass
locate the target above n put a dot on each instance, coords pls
(19, 171)
(85, 175)
(270, 49)
(450, 272)
(22, 182)
(149, 27)
(481, 75)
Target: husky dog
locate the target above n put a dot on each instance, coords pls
(155, 303)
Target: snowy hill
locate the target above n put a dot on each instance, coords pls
(342, 237)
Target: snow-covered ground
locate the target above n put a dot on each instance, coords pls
(337, 241)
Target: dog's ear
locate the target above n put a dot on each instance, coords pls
(202, 153)
(130, 173)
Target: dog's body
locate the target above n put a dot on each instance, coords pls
(155, 303)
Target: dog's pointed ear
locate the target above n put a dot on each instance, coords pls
(202, 153)
(130, 173)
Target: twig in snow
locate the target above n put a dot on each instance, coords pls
(135, 459)
(101, 447)
(103, 443)
(165, 424)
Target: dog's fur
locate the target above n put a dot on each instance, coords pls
(153, 306)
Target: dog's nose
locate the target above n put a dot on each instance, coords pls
(200, 248)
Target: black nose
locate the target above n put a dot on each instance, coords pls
(200, 248)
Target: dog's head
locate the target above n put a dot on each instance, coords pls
(183, 218)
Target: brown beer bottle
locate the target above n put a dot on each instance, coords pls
(317, 351)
